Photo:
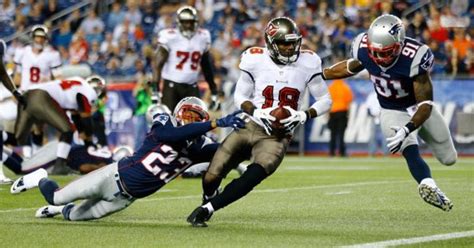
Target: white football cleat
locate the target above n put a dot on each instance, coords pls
(28, 181)
(434, 196)
(5, 180)
(48, 211)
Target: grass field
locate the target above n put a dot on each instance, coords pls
(308, 202)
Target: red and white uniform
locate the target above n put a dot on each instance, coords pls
(185, 54)
(36, 67)
(65, 91)
(267, 84)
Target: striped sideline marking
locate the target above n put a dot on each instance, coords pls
(417, 240)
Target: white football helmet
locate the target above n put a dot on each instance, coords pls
(187, 20)
(155, 109)
(99, 85)
(385, 39)
(191, 109)
(121, 152)
(39, 31)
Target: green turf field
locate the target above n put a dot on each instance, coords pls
(308, 202)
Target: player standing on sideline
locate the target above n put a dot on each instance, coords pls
(180, 54)
(399, 68)
(172, 145)
(277, 75)
(36, 63)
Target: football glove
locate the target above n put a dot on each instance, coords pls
(231, 120)
(394, 143)
(215, 103)
(266, 118)
(296, 118)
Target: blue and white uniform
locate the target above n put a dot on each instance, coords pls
(395, 93)
(166, 151)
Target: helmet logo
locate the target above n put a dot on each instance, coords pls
(271, 29)
(395, 29)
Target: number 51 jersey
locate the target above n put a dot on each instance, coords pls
(184, 55)
(275, 85)
(394, 84)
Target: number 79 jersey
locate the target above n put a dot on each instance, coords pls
(184, 55)
(272, 85)
(394, 84)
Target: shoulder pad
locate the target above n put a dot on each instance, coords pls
(251, 57)
(422, 62)
(360, 38)
(310, 60)
(165, 35)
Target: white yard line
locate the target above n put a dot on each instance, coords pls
(309, 159)
(416, 240)
(17, 210)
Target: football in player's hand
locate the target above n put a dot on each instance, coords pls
(279, 113)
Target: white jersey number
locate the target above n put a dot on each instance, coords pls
(381, 85)
(184, 56)
(151, 158)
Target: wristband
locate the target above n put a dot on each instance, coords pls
(410, 126)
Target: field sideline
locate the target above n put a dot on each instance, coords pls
(308, 202)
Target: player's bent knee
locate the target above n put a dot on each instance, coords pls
(449, 160)
(254, 174)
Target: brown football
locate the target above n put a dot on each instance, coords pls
(279, 113)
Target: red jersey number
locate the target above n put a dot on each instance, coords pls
(67, 84)
(287, 97)
(184, 56)
(35, 74)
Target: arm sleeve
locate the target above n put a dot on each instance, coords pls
(422, 62)
(244, 88)
(319, 90)
(208, 71)
(163, 38)
(169, 133)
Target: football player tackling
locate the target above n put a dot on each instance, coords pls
(399, 68)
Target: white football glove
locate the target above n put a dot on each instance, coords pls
(266, 118)
(296, 118)
(215, 103)
(394, 143)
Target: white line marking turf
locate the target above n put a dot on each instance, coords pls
(416, 240)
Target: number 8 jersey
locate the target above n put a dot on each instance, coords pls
(394, 84)
(185, 54)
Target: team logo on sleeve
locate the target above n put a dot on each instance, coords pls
(161, 119)
(427, 61)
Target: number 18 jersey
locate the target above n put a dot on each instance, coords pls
(276, 85)
(394, 84)
(184, 55)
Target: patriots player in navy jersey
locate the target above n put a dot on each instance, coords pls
(171, 146)
(81, 159)
(399, 68)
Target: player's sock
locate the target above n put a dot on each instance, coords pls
(239, 187)
(13, 164)
(210, 185)
(67, 211)
(47, 188)
(418, 167)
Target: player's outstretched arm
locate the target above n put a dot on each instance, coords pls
(343, 69)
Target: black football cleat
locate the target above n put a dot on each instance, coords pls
(198, 217)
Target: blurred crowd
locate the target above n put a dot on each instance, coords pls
(120, 42)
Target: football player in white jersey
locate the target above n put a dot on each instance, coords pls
(48, 103)
(36, 63)
(181, 52)
(277, 75)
